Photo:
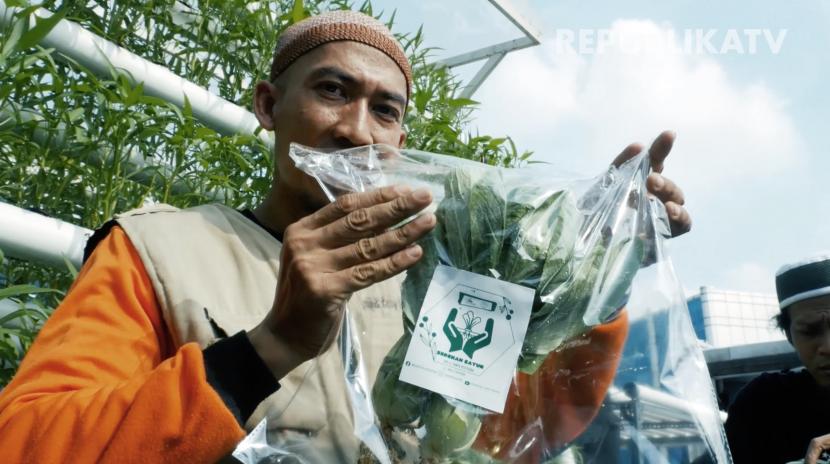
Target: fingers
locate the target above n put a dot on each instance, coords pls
(664, 189)
(672, 197)
(363, 275)
(814, 450)
(377, 247)
(351, 202)
(629, 152)
(679, 219)
(367, 221)
(660, 149)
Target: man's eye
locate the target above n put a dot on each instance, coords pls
(810, 331)
(331, 88)
(388, 111)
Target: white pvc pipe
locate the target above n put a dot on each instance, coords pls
(659, 398)
(97, 54)
(33, 237)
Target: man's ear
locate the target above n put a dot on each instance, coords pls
(266, 96)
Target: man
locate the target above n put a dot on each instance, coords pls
(136, 364)
(785, 416)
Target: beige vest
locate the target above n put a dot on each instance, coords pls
(211, 263)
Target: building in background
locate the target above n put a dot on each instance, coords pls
(729, 318)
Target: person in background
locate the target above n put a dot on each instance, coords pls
(185, 327)
(784, 417)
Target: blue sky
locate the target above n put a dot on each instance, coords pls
(753, 147)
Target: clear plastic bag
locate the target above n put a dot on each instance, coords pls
(608, 369)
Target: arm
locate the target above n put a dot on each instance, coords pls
(102, 382)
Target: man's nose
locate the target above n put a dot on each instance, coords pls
(353, 129)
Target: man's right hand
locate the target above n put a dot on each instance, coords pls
(344, 247)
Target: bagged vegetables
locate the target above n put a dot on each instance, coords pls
(522, 234)
(578, 244)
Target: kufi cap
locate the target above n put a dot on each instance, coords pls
(803, 280)
(300, 38)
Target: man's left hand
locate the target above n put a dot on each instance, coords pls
(660, 186)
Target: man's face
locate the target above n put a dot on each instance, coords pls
(339, 95)
(810, 335)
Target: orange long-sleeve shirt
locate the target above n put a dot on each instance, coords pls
(104, 383)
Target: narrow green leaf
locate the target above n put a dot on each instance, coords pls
(17, 30)
(495, 143)
(298, 12)
(42, 27)
(134, 95)
(203, 132)
(18, 314)
(70, 267)
(74, 115)
(150, 100)
(187, 110)
(461, 102)
(18, 290)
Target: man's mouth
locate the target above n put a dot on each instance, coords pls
(824, 369)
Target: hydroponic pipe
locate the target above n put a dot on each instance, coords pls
(34, 237)
(98, 55)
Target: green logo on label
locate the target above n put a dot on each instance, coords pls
(466, 338)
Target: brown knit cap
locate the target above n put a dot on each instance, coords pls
(302, 37)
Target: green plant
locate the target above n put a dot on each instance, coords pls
(82, 147)
(21, 316)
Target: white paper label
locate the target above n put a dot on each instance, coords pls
(468, 337)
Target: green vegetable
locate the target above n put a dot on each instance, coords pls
(528, 236)
(396, 403)
(453, 214)
(448, 429)
(538, 235)
(486, 211)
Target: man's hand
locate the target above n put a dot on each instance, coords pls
(661, 187)
(340, 249)
(817, 446)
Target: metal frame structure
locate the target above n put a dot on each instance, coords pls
(30, 236)
(495, 53)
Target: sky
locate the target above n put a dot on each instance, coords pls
(743, 84)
